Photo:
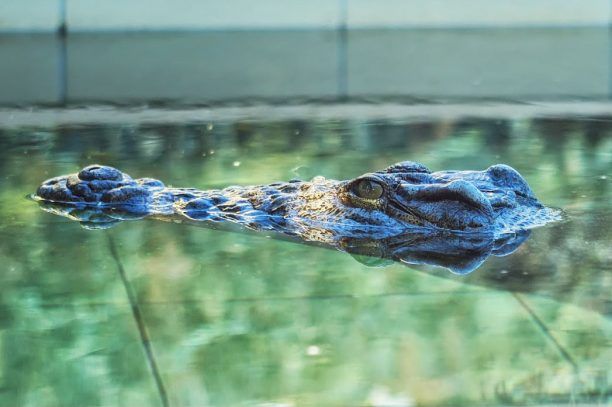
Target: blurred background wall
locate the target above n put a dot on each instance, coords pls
(133, 51)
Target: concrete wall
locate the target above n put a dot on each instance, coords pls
(435, 64)
(121, 15)
(30, 15)
(195, 67)
(220, 50)
(499, 63)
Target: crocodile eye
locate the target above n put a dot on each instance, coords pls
(368, 189)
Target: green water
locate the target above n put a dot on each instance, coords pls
(154, 313)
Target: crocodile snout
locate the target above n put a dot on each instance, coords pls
(99, 185)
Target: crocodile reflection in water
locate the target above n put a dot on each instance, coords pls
(454, 219)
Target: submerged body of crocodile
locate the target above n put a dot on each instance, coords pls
(384, 207)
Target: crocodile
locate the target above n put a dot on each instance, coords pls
(405, 212)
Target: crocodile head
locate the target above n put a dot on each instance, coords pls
(404, 196)
(408, 194)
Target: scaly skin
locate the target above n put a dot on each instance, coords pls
(443, 212)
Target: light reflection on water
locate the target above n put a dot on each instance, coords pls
(238, 319)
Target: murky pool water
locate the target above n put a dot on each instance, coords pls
(155, 313)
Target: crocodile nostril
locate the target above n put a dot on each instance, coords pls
(100, 172)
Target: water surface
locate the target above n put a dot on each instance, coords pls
(153, 313)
